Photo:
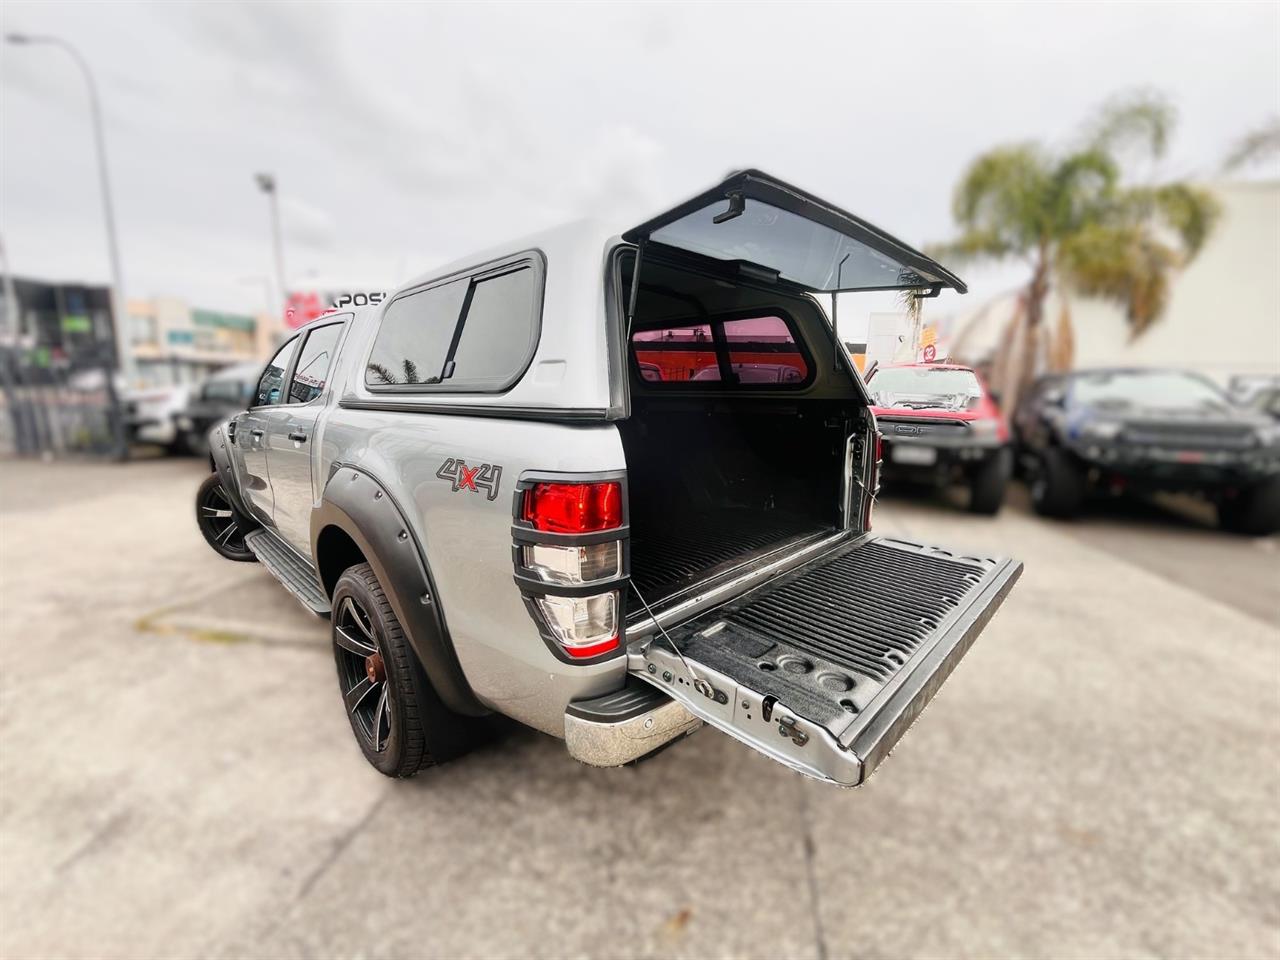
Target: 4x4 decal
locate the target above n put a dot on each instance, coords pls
(485, 477)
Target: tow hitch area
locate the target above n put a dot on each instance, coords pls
(824, 669)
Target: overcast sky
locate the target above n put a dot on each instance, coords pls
(406, 135)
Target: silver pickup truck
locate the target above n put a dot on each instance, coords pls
(612, 486)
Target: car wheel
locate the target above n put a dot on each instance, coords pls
(394, 712)
(1254, 512)
(988, 483)
(220, 523)
(1057, 485)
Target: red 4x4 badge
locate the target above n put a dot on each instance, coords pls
(485, 477)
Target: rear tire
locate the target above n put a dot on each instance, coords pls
(1254, 512)
(221, 524)
(1057, 486)
(989, 482)
(395, 713)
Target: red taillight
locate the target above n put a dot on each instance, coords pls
(573, 507)
(594, 650)
(879, 448)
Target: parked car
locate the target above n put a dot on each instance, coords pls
(1111, 431)
(1258, 392)
(941, 426)
(150, 414)
(221, 395)
(500, 508)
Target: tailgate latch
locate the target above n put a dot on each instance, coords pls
(787, 727)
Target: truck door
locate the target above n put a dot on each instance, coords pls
(291, 439)
(251, 434)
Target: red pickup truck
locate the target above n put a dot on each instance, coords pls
(941, 425)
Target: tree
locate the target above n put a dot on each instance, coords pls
(1079, 223)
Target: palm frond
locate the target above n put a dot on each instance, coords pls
(410, 371)
(1143, 118)
(1081, 189)
(1124, 264)
(1260, 144)
(1000, 197)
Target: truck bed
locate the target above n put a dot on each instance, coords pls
(673, 555)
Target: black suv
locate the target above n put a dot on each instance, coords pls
(1147, 430)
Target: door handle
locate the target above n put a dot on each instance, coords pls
(300, 437)
(255, 433)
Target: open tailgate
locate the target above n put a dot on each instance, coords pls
(825, 668)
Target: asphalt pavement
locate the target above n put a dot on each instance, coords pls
(1099, 778)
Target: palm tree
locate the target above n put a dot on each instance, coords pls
(1080, 224)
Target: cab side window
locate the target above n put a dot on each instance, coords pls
(268, 391)
(314, 363)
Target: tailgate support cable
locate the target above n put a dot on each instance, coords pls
(662, 630)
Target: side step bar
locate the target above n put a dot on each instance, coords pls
(297, 576)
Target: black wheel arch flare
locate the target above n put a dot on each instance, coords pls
(361, 507)
(220, 457)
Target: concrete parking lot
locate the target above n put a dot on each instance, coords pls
(1099, 778)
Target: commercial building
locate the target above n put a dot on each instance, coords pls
(60, 325)
(174, 343)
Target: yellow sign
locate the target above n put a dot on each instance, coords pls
(928, 336)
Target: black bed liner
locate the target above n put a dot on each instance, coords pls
(670, 556)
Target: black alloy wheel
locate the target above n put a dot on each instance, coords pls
(362, 674)
(220, 523)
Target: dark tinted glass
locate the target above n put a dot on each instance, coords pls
(313, 365)
(676, 353)
(762, 350)
(272, 379)
(415, 335)
(499, 332)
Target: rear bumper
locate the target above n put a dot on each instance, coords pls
(624, 726)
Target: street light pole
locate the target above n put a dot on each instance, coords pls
(267, 184)
(120, 317)
(124, 354)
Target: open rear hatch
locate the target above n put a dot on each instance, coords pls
(824, 668)
(779, 233)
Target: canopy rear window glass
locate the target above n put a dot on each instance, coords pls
(773, 230)
(800, 250)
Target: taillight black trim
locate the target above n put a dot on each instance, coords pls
(523, 534)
